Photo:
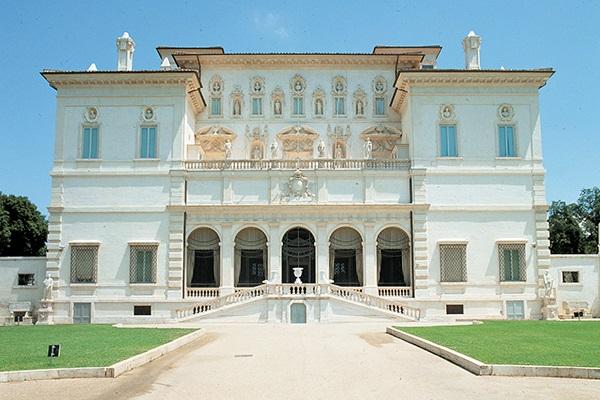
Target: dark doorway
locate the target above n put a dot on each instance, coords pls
(391, 268)
(344, 267)
(298, 250)
(252, 268)
(204, 274)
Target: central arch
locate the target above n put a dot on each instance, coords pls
(345, 257)
(298, 250)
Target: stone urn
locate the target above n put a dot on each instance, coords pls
(298, 274)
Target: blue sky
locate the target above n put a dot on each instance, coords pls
(516, 34)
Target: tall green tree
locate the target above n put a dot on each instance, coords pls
(23, 229)
(589, 207)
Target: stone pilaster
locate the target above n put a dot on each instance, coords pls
(176, 253)
(274, 253)
(420, 254)
(322, 253)
(370, 260)
(227, 269)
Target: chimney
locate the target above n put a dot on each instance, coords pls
(471, 45)
(125, 48)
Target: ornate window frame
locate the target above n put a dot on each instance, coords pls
(237, 95)
(91, 119)
(318, 95)
(379, 87)
(339, 90)
(216, 87)
(277, 95)
(298, 88)
(447, 117)
(257, 91)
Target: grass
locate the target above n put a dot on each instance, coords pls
(26, 347)
(521, 342)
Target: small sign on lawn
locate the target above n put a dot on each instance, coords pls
(54, 350)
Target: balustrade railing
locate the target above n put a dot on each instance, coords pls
(305, 164)
(236, 297)
(395, 291)
(202, 292)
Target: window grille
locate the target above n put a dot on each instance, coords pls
(453, 262)
(570, 276)
(142, 263)
(84, 263)
(512, 262)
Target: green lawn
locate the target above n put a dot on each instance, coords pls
(26, 347)
(521, 342)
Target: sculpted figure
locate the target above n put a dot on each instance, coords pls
(274, 148)
(359, 107)
(48, 283)
(319, 107)
(237, 107)
(548, 284)
(228, 149)
(277, 107)
(321, 149)
(338, 152)
(368, 149)
(395, 152)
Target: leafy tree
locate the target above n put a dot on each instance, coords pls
(565, 232)
(589, 206)
(23, 229)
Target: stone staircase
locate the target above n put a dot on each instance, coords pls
(392, 308)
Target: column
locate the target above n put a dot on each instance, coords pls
(421, 257)
(176, 253)
(227, 260)
(322, 244)
(370, 260)
(274, 253)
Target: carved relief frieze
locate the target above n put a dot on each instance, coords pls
(214, 141)
(505, 112)
(297, 141)
(298, 189)
(257, 138)
(384, 141)
(339, 140)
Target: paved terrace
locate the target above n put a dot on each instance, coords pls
(272, 361)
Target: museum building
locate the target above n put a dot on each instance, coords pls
(296, 187)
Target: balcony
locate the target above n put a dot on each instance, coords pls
(303, 164)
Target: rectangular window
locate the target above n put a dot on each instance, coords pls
(84, 263)
(142, 310)
(379, 106)
(298, 106)
(148, 142)
(570, 276)
(26, 280)
(82, 313)
(506, 141)
(89, 148)
(340, 107)
(257, 106)
(515, 309)
(142, 263)
(215, 106)
(448, 141)
(455, 309)
(453, 262)
(512, 262)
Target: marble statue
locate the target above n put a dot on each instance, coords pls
(319, 107)
(395, 152)
(321, 149)
(277, 107)
(368, 149)
(548, 284)
(360, 109)
(256, 153)
(274, 148)
(338, 152)
(237, 107)
(228, 149)
(48, 283)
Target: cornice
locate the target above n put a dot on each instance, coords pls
(300, 209)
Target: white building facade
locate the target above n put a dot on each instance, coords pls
(200, 187)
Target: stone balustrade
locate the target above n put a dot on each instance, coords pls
(300, 290)
(306, 164)
(395, 291)
(202, 292)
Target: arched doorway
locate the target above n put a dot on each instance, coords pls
(203, 254)
(298, 250)
(250, 258)
(393, 258)
(345, 257)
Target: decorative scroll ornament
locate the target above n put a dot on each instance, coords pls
(91, 114)
(447, 112)
(506, 112)
(148, 114)
(298, 188)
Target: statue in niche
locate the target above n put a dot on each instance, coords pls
(48, 283)
(368, 149)
(338, 151)
(321, 149)
(228, 149)
(237, 107)
(548, 284)
(360, 108)
(256, 153)
(319, 107)
(277, 107)
(395, 152)
(274, 148)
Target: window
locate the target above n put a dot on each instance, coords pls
(142, 263)
(148, 142)
(515, 309)
(512, 262)
(19, 316)
(340, 107)
(379, 106)
(570, 276)
(455, 309)
(298, 106)
(89, 148)
(448, 141)
(26, 280)
(257, 106)
(506, 141)
(215, 106)
(84, 263)
(453, 262)
(142, 310)
(82, 313)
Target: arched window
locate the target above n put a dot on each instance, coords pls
(393, 258)
(298, 251)
(345, 257)
(250, 266)
(203, 255)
